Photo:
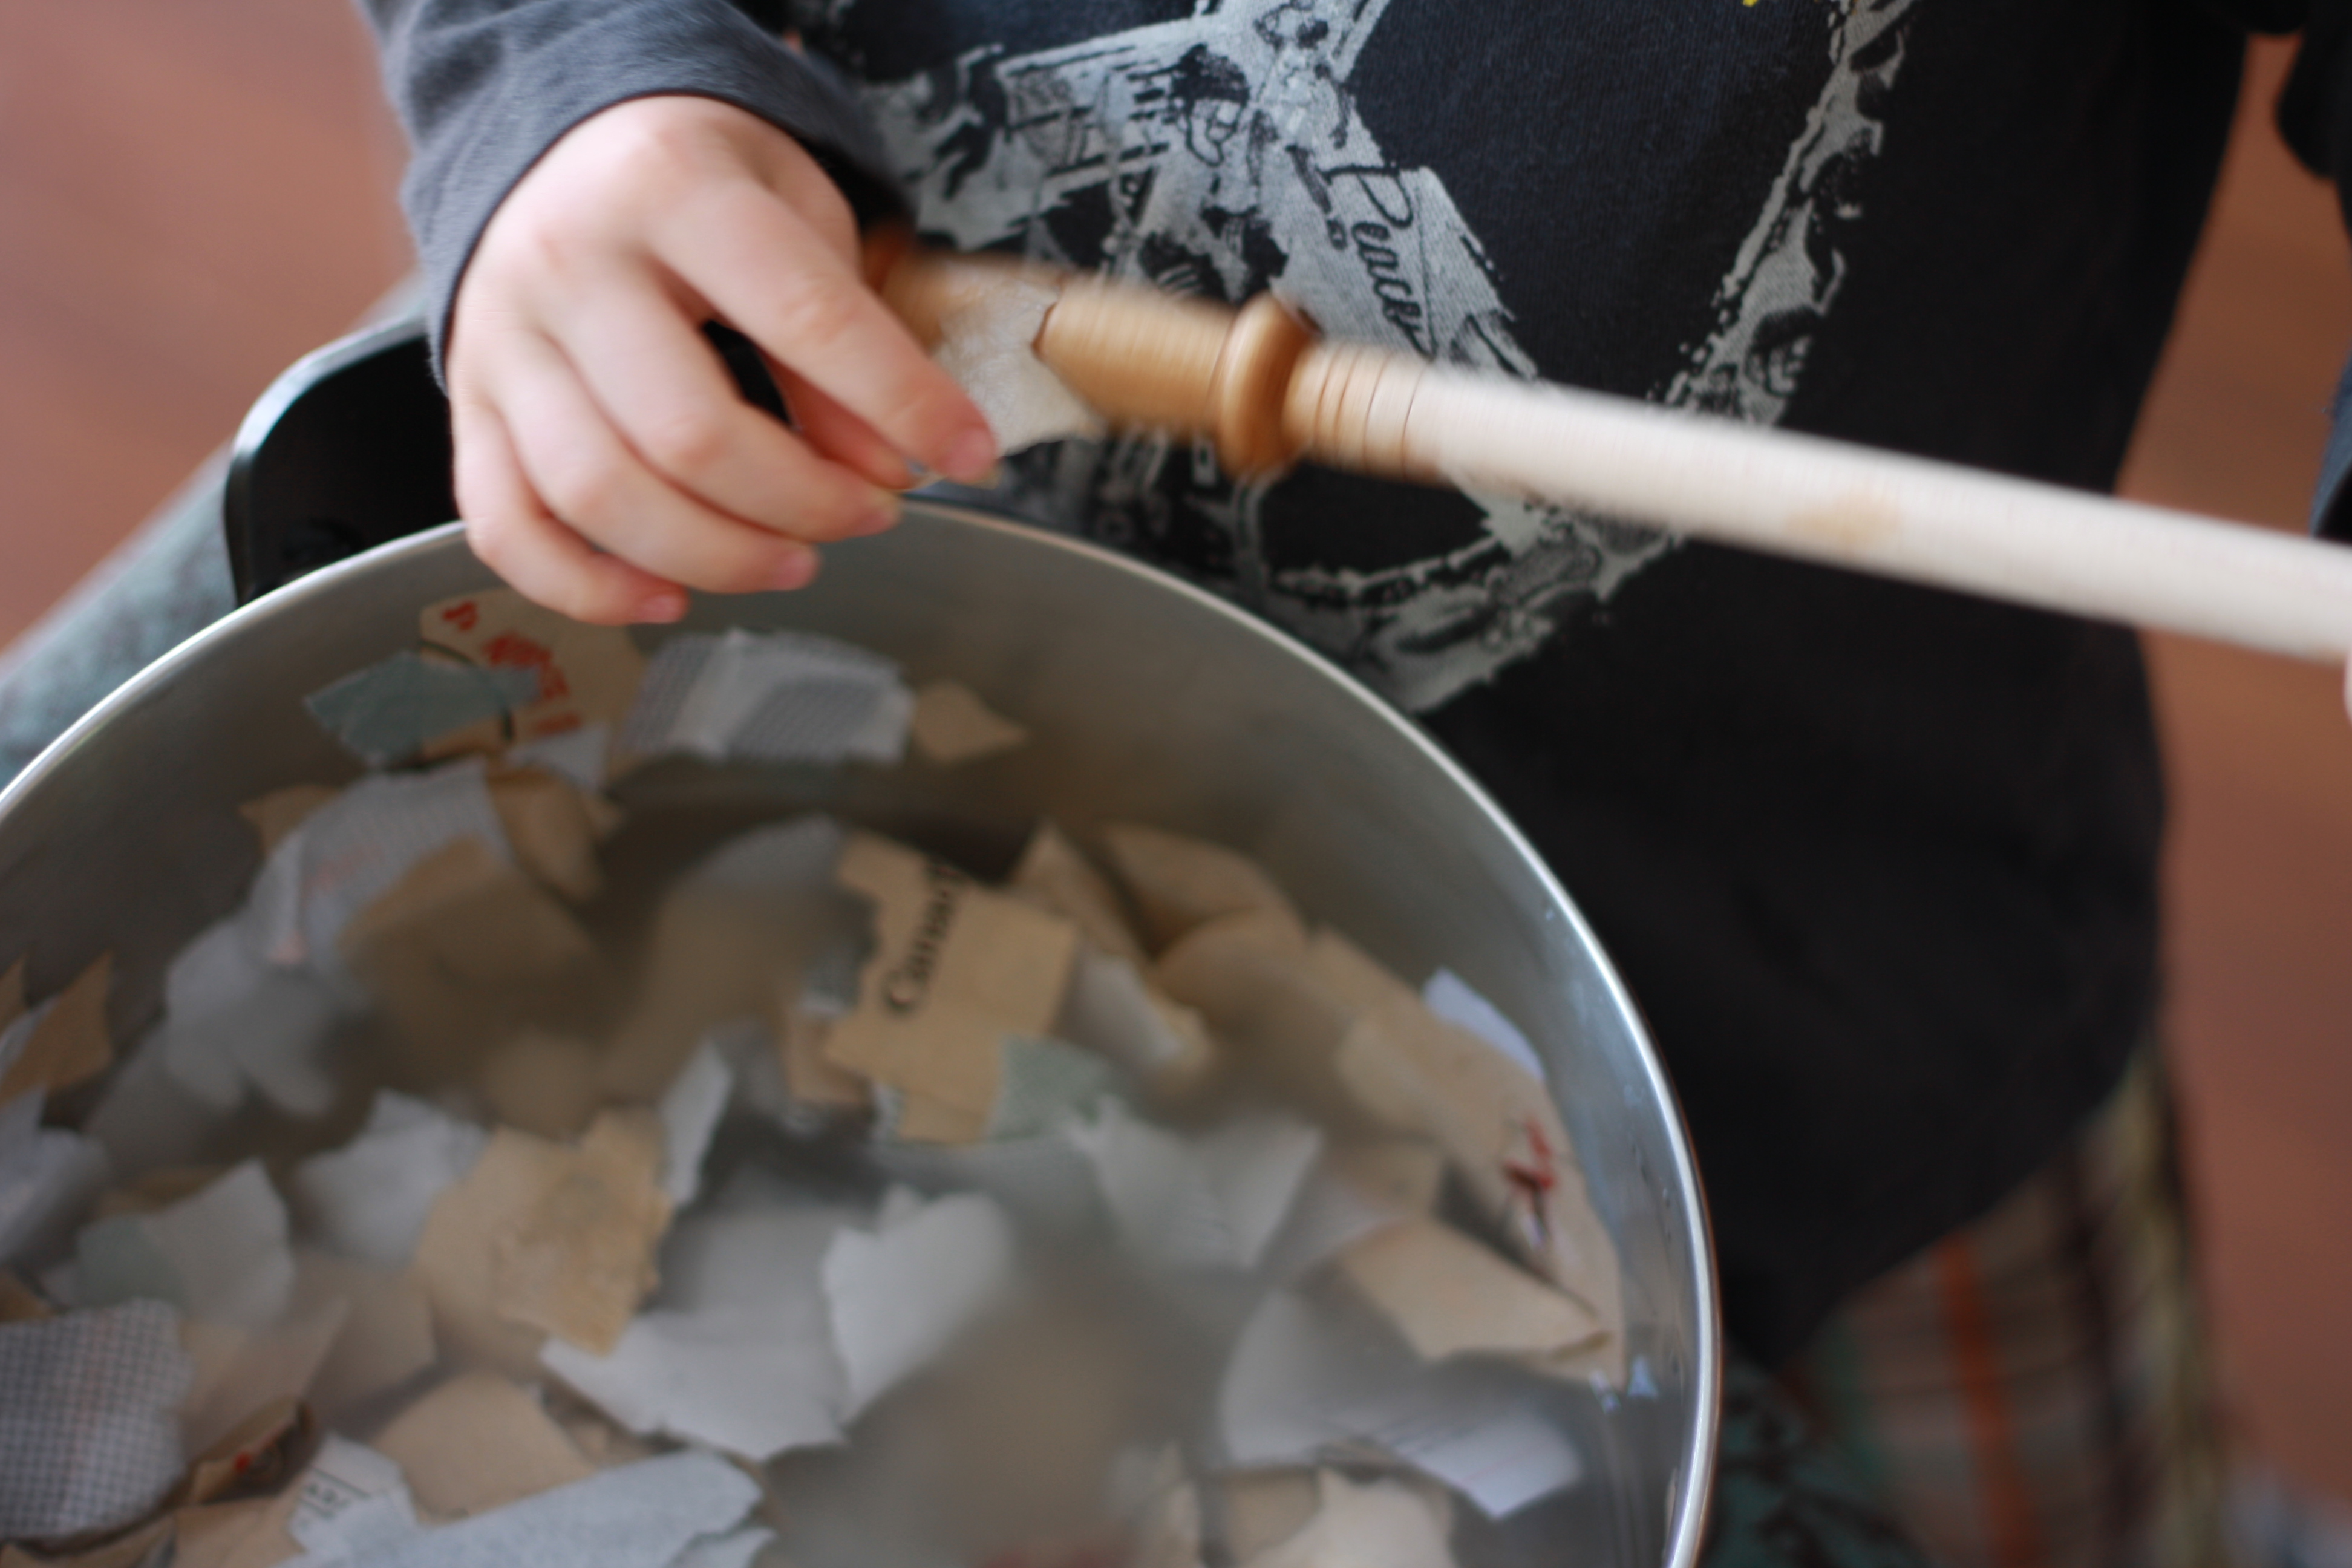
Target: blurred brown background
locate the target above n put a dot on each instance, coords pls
(193, 195)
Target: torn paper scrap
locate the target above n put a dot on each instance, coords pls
(950, 724)
(1449, 997)
(643, 1515)
(220, 1256)
(793, 859)
(1043, 1085)
(772, 697)
(387, 1332)
(1501, 1131)
(1278, 1021)
(1356, 1188)
(724, 938)
(1350, 973)
(577, 1259)
(690, 1114)
(1166, 1533)
(258, 1455)
(1054, 875)
(369, 1199)
(586, 675)
(479, 1442)
(1179, 882)
(1381, 1524)
(736, 1549)
(92, 1435)
(156, 1190)
(234, 1022)
(1211, 1202)
(240, 1372)
(812, 1077)
(583, 756)
(458, 1249)
(1111, 1008)
(1448, 1295)
(1046, 1183)
(955, 967)
(352, 1502)
(49, 1177)
(282, 811)
(544, 1083)
(392, 711)
(356, 848)
(462, 953)
(247, 1533)
(759, 1259)
(899, 1294)
(1297, 1387)
(1263, 1508)
(62, 1042)
(988, 343)
(728, 1380)
(554, 827)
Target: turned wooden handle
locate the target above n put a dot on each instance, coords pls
(1257, 384)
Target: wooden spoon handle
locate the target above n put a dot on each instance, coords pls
(1258, 385)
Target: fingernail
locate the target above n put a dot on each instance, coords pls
(971, 458)
(880, 518)
(661, 608)
(796, 570)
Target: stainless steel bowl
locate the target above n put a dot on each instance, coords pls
(1147, 701)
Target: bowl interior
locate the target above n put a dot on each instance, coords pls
(1145, 699)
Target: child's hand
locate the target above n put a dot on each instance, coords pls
(590, 414)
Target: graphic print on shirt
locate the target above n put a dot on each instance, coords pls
(1222, 154)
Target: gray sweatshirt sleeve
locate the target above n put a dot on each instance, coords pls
(485, 87)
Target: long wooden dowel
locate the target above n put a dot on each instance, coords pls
(1256, 384)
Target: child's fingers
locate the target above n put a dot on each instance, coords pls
(775, 277)
(839, 434)
(660, 383)
(586, 474)
(516, 538)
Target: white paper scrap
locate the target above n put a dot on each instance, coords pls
(776, 696)
(49, 1177)
(1045, 1183)
(1109, 1009)
(1211, 1202)
(233, 1021)
(740, 1354)
(220, 1255)
(734, 1549)
(988, 344)
(793, 859)
(690, 1114)
(352, 1500)
(356, 848)
(900, 1295)
(1451, 998)
(369, 1199)
(1043, 1085)
(89, 1430)
(638, 1516)
(1296, 1388)
(718, 1380)
(583, 755)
